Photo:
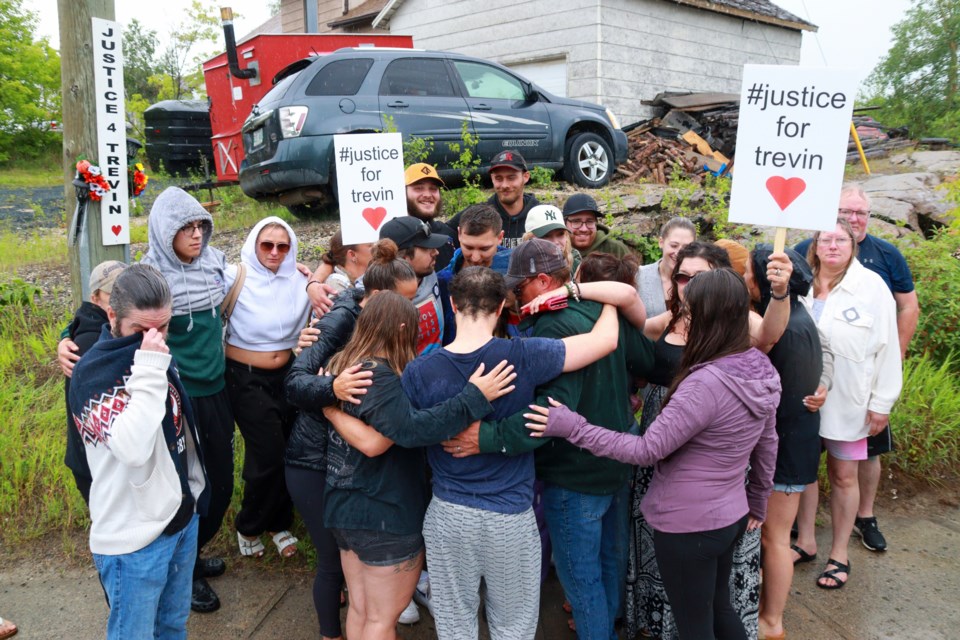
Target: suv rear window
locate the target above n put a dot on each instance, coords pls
(417, 77)
(279, 89)
(340, 78)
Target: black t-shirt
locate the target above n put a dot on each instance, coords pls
(798, 358)
(513, 226)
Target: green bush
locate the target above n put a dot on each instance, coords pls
(926, 419)
(935, 264)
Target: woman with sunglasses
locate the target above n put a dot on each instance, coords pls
(262, 330)
(647, 605)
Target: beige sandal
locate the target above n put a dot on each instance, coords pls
(286, 543)
(252, 548)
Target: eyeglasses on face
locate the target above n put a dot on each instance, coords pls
(190, 229)
(267, 247)
(826, 241)
(853, 213)
(518, 290)
(588, 223)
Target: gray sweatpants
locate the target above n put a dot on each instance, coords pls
(466, 544)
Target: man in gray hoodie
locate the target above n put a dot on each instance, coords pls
(179, 231)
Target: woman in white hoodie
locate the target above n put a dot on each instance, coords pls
(270, 311)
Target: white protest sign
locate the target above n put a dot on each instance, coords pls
(111, 130)
(370, 183)
(791, 146)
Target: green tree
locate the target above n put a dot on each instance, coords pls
(139, 59)
(139, 67)
(29, 84)
(191, 42)
(917, 81)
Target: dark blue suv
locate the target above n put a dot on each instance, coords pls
(288, 138)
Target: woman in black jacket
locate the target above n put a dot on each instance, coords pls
(306, 455)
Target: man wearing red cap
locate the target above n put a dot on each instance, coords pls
(509, 174)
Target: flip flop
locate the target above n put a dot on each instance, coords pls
(832, 574)
(804, 556)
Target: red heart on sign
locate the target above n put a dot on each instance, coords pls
(116, 229)
(374, 216)
(785, 190)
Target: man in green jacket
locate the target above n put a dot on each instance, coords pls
(586, 499)
(580, 213)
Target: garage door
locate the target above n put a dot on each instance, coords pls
(549, 74)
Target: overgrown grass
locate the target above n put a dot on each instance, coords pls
(46, 170)
(33, 479)
(926, 419)
(34, 247)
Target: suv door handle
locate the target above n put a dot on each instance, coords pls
(398, 104)
(482, 107)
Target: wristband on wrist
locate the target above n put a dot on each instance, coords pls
(774, 296)
(313, 282)
(571, 292)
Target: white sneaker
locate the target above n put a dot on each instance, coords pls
(422, 593)
(410, 615)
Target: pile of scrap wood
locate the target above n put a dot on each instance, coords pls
(697, 133)
(877, 139)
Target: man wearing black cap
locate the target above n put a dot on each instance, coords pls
(424, 202)
(508, 173)
(580, 212)
(419, 246)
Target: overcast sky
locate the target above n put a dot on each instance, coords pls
(852, 33)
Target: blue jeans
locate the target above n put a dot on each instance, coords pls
(149, 590)
(589, 536)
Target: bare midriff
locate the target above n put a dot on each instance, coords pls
(259, 359)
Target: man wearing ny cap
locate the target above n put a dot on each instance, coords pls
(580, 212)
(586, 498)
(509, 174)
(419, 246)
(424, 201)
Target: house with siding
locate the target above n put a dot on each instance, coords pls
(613, 52)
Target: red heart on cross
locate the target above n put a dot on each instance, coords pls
(785, 190)
(374, 216)
(116, 229)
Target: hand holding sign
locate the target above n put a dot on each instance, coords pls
(791, 146)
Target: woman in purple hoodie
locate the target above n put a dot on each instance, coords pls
(718, 418)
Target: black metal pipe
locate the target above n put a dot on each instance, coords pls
(226, 16)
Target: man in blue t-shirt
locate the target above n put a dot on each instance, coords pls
(480, 523)
(884, 259)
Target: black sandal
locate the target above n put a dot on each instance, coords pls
(804, 556)
(832, 574)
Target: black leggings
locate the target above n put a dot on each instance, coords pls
(695, 568)
(215, 433)
(306, 488)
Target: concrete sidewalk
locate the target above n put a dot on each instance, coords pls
(911, 591)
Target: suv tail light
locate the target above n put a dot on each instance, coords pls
(291, 120)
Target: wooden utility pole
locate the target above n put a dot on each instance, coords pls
(80, 132)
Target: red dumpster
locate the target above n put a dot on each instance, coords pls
(231, 99)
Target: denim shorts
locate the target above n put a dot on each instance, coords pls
(783, 487)
(379, 548)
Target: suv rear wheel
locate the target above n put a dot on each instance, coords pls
(589, 161)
